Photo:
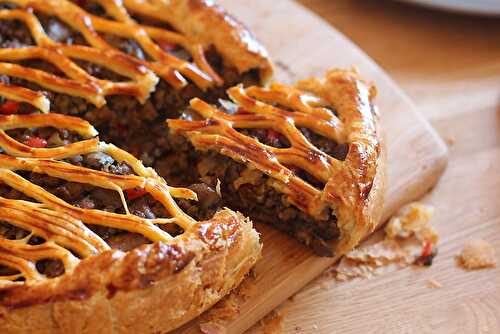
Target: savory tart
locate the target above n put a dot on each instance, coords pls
(126, 66)
(94, 240)
(307, 159)
(91, 241)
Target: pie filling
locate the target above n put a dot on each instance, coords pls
(221, 181)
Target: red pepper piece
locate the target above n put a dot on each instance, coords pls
(36, 142)
(426, 249)
(272, 135)
(9, 107)
(242, 111)
(166, 45)
(134, 193)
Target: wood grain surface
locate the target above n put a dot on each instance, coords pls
(449, 65)
(303, 45)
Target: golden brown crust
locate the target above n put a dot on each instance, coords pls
(197, 18)
(200, 25)
(354, 187)
(116, 292)
(167, 282)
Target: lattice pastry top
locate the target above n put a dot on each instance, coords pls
(338, 108)
(69, 232)
(194, 22)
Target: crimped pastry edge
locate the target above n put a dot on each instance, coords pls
(151, 289)
(358, 94)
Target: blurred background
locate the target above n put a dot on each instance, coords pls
(447, 62)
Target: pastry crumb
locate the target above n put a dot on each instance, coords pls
(272, 323)
(450, 140)
(409, 239)
(477, 254)
(315, 327)
(412, 219)
(433, 283)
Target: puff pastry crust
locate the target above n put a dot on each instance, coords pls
(160, 285)
(194, 21)
(168, 281)
(338, 107)
(152, 288)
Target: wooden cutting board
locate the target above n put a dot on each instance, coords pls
(302, 45)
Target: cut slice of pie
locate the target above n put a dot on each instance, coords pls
(308, 159)
(91, 241)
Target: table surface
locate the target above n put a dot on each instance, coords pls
(450, 66)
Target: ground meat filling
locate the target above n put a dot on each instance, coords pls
(337, 150)
(82, 195)
(14, 34)
(135, 127)
(88, 197)
(220, 181)
(45, 137)
(268, 137)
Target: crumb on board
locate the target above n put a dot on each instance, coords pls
(412, 219)
(433, 283)
(272, 323)
(450, 140)
(409, 239)
(477, 254)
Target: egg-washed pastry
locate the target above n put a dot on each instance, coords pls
(91, 240)
(308, 159)
(137, 237)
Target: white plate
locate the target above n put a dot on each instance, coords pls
(480, 7)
